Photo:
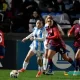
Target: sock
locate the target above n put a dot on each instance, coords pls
(72, 62)
(40, 68)
(77, 65)
(50, 64)
(45, 62)
(25, 64)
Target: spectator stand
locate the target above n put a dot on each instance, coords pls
(32, 21)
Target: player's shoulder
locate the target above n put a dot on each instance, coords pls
(34, 28)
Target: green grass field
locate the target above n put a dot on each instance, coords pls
(30, 75)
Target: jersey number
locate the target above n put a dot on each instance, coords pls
(0, 39)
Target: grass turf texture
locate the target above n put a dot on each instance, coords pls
(30, 75)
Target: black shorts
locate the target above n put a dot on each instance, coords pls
(58, 49)
(2, 50)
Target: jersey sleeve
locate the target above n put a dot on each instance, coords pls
(30, 35)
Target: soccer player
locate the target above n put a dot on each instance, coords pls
(2, 47)
(76, 31)
(37, 46)
(55, 42)
(49, 61)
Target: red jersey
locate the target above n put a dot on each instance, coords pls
(54, 37)
(1, 38)
(76, 31)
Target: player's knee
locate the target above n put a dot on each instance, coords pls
(39, 61)
(49, 57)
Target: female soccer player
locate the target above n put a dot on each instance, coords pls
(49, 61)
(76, 31)
(37, 46)
(55, 42)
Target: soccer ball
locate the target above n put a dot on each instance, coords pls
(14, 74)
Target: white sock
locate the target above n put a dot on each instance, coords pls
(25, 64)
(45, 62)
(40, 68)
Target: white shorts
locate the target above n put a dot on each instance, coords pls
(38, 53)
(46, 47)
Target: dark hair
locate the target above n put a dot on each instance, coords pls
(55, 23)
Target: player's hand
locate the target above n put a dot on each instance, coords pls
(32, 38)
(23, 40)
(69, 35)
(47, 45)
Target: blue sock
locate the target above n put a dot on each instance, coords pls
(72, 62)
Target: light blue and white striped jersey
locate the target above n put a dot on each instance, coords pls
(39, 38)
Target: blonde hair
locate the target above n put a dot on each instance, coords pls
(59, 27)
(48, 17)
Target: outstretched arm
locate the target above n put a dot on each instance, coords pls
(26, 38)
(71, 31)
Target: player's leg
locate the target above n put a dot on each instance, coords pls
(26, 61)
(62, 51)
(2, 52)
(50, 66)
(40, 66)
(45, 61)
(77, 59)
(51, 53)
(69, 59)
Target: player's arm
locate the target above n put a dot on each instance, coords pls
(55, 36)
(70, 32)
(43, 36)
(28, 37)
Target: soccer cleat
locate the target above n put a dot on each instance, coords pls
(65, 73)
(75, 73)
(50, 72)
(39, 74)
(21, 70)
(44, 72)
